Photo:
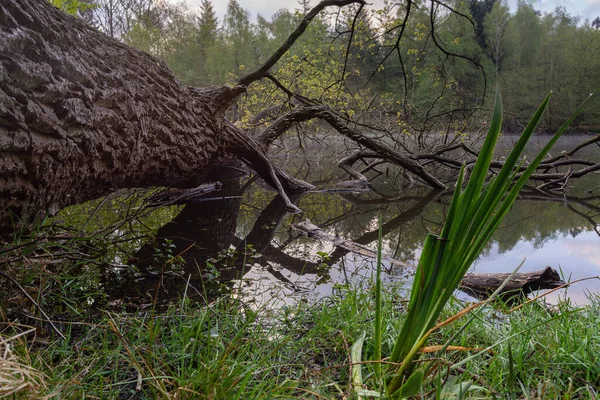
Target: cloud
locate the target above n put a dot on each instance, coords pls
(266, 8)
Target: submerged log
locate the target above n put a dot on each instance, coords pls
(480, 286)
(315, 232)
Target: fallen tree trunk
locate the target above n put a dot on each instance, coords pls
(82, 114)
(482, 286)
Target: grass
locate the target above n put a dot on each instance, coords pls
(223, 352)
(554, 360)
(16, 376)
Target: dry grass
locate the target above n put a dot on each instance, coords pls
(16, 377)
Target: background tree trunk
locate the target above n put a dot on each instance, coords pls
(82, 114)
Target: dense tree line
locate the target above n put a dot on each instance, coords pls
(449, 56)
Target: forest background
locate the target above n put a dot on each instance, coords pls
(429, 77)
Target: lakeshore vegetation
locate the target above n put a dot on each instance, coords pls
(64, 333)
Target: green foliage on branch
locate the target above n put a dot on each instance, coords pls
(72, 7)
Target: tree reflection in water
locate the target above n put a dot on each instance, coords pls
(213, 258)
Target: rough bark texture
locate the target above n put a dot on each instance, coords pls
(82, 114)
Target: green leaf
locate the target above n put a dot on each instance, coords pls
(472, 218)
(412, 386)
(356, 357)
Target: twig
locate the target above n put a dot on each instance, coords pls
(34, 303)
(264, 69)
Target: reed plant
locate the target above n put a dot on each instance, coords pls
(473, 216)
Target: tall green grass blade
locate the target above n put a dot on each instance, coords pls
(412, 386)
(454, 205)
(415, 302)
(480, 170)
(474, 315)
(378, 305)
(356, 357)
(487, 213)
(407, 363)
(426, 272)
(470, 201)
(512, 195)
(418, 282)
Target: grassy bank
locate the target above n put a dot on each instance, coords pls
(227, 351)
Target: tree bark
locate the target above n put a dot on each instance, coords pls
(82, 114)
(482, 286)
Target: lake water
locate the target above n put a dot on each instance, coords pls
(248, 238)
(557, 231)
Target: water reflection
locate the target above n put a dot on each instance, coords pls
(240, 244)
(198, 255)
(576, 257)
(179, 258)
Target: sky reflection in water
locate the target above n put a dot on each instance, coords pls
(545, 233)
(576, 257)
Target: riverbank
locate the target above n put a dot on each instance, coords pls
(228, 351)
(171, 303)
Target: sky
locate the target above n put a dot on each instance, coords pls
(584, 8)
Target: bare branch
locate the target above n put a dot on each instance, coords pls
(450, 54)
(457, 12)
(401, 159)
(595, 139)
(264, 69)
(253, 154)
(565, 175)
(286, 121)
(397, 48)
(352, 29)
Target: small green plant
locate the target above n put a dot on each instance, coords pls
(473, 216)
(211, 273)
(323, 267)
(164, 257)
(324, 259)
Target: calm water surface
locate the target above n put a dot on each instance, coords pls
(562, 232)
(245, 239)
